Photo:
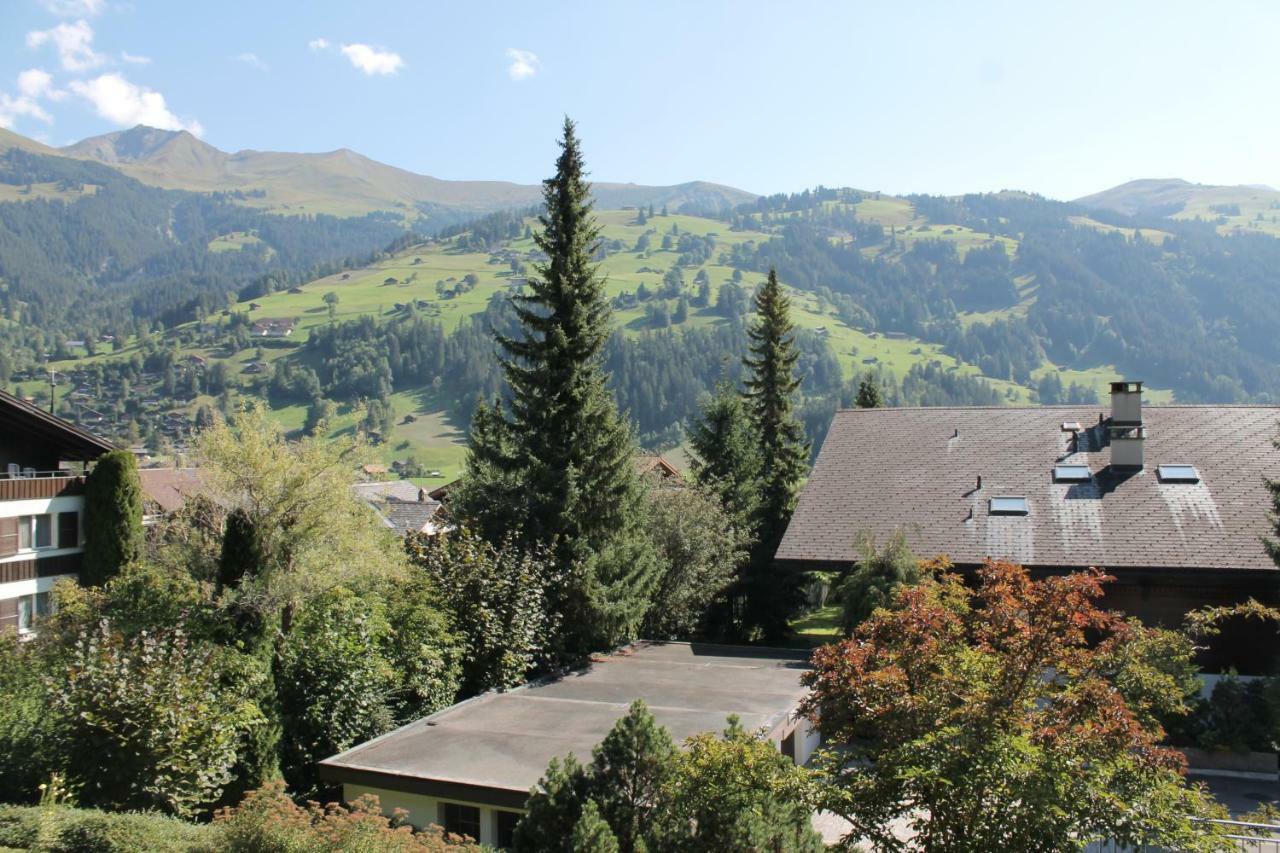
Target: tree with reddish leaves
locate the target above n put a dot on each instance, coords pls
(1014, 714)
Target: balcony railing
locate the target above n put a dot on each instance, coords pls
(29, 484)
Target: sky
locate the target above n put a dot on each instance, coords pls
(1063, 99)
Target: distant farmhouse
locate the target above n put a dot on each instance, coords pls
(41, 507)
(469, 768)
(1170, 500)
(402, 506)
(273, 328)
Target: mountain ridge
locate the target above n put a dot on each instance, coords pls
(343, 181)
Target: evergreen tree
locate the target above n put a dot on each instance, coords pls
(770, 596)
(591, 834)
(241, 550)
(869, 395)
(553, 811)
(631, 766)
(726, 454)
(557, 463)
(113, 517)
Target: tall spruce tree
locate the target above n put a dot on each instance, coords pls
(726, 454)
(556, 462)
(770, 596)
(113, 517)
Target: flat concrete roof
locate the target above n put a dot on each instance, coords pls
(495, 747)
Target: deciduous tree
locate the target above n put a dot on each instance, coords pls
(992, 719)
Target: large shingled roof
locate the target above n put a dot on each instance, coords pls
(917, 469)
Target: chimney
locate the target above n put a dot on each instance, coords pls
(1125, 429)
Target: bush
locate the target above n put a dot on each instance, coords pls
(61, 829)
(1240, 716)
(268, 821)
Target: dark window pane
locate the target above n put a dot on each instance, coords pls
(507, 828)
(462, 820)
(68, 530)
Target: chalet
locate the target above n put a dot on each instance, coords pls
(278, 328)
(166, 490)
(402, 506)
(470, 767)
(41, 507)
(1170, 500)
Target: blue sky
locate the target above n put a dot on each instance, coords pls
(1058, 98)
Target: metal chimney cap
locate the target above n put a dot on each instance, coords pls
(1127, 387)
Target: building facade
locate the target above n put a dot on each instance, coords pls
(41, 507)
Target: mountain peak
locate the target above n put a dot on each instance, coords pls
(140, 144)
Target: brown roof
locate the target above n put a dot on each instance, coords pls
(169, 488)
(917, 469)
(19, 417)
(646, 463)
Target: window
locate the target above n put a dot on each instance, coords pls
(1071, 473)
(68, 530)
(32, 606)
(1177, 473)
(462, 820)
(507, 828)
(1008, 505)
(35, 532)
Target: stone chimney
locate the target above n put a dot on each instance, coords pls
(1125, 430)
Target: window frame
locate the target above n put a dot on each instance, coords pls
(454, 823)
(1007, 507)
(1186, 473)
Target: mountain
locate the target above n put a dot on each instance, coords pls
(346, 183)
(1174, 197)
(9, 139)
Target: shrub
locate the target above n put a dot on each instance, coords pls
(61, 829)
(268, 821)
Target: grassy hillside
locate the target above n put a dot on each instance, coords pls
(1239, 209)
(428, 276)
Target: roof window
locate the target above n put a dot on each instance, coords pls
(1177, 473)
(1071, 473)
(1008, 505)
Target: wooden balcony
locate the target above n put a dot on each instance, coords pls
(39, 487)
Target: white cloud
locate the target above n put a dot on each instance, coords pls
(75, 8)
(119, 101)
(318, 44)
(134, 59)
(34, 84)
(372, 61)
(74, 43)
(524, 63)
(38, 83)
(252, 60)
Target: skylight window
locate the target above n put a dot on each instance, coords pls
(1008, 505)
(1178, 473)
(1071, 473)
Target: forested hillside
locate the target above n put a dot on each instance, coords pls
(156, 306)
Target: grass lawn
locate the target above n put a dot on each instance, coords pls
(818, 628)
